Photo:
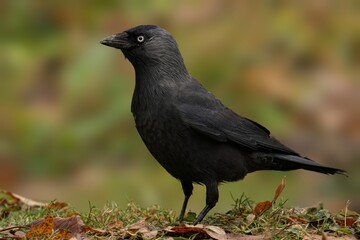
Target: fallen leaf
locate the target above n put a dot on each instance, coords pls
(246, 237)
(147, 233)
(185, 230)
(250, 218)
(11, 233)
(98, 232)
(202, 231)
(279, 189)
(297, 219)
(57, 205)
(349, 222)
(74, 224)
(42, 229)
(261, 207)
(142, 228)
(62, 234)
(72, 227)
(206, 232)
(116, 225)
(215, 232)
(5, 202)
(22, 201)
(133, 228)
(321, 237)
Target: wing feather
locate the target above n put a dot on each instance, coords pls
(222, 124)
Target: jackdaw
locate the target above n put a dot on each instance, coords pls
(195, 137)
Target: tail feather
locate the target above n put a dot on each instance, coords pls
(309, 164)
(284, 162)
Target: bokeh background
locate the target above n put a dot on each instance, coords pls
(67, 133)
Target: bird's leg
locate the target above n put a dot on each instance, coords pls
(187, 189)
(212, 196)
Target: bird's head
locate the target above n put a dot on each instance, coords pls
(146, 45)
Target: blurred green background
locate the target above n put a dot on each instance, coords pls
(67, 133)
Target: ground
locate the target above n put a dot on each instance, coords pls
(22, 218)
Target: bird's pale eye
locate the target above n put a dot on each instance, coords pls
(140, 39)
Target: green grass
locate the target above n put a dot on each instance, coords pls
(279, 222)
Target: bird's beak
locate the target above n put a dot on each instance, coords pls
(119, 41)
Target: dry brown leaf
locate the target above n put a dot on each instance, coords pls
(203, 231)
(42, 229)
(95, 231)
(279, 189)
(185, 230)
(62, 234)
(246, 237)
(261, 207)
(134, 228)
(19, 234)
(321, 237)
(57, 205)
(215, 232)
(349, 222)
(142, 228)
(116, 225)
(297, 219)
(207, 231)
(74, 224)
(250, 218)
(22, 201)
(147, 233)
(70, 226)
(5, 202)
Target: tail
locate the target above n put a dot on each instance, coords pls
(283, 162)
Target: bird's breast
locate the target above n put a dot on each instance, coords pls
(163, 135)
(159, 129)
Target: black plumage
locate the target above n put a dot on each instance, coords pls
(188, 130)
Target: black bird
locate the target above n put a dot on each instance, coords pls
(195, 137)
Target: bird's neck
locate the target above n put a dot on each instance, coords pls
(157, 83)
(161, 75)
